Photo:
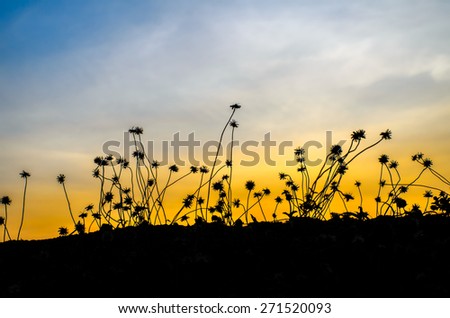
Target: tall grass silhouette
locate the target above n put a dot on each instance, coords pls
(25, 175)
(6, 201)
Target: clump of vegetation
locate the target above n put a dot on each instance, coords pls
(135, 193)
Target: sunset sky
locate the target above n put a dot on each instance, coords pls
(77, 74)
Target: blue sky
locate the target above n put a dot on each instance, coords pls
(74, 74)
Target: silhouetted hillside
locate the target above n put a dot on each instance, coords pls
(381, 257)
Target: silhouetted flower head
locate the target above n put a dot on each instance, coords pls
(278, 199)
(61, 178)
(89, 207)
(383, 159)
(427, 163)
(287, 196)
(386, 134)
(236, 203)
(125, 163)
(95, 174)
(6, 200)
(228, 163)
(218, 186)
(235, 106)
(63, 231)
(173, 168)
(80, 228)
(194, 169)
(187, 201)
(109, 158)
(348, 197)
(257, 194)
(200, 200)
(250, 185)
(417, 156)
(2, 220)
(357, 183)
(266, 191)
(83, 215)
(299, 151)
(234, 124)
(150, 182)
(358, 135)
(428, 194)
(24, 174)
(334, 186)
(332, 158)
(336, 150)
(204, 169)
(155, 164)
(282, 175)
(393, 164)
(100, 161)
(342, 169)
(403, 189)
(136, 130)
(138, 154)
(109, 196)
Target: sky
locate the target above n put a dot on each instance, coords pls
(75, 75)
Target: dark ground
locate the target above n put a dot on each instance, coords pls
(382, 257)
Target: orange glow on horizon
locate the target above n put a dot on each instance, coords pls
(47, 210)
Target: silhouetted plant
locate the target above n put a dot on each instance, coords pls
(278, 201)
(234, 107)
(316, 194)
(233, 124)
(6, 201)
(61, 180)
(134, 193)
(441, 203)
(25, 175)
(428, 195)
(394, 203)
(358, 186)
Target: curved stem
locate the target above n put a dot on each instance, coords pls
(23, 208)
(219, 146)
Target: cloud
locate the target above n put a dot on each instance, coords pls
(288, 63)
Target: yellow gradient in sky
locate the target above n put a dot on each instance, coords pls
(47, 208)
